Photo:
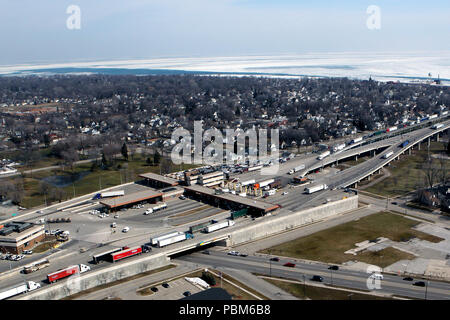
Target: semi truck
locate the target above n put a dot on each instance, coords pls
(264, 183)
(356, 140)
(296, 169)
(129, 252)
(316, 188)
(156, 208)
(200, 226)
(404, 144)
(323, 155)
(177, 238)
(120, 253)
(387, 155)
(433, 116)
(437, 126)
(219, 225)
(269, 193)
(63, 273)
(109, 194)
(154, 241)
(339, 147)
(246, 183)
(35, 266)
(391, 129)
(18, 289)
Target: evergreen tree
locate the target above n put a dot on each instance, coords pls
(124, 151)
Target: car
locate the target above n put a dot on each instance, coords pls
(377, 276)
(205, 252)
(317, 278)
(116, 216)
(408, 279)
(27, 251)
(126, 229)
(275, 259)
(182, 197)
(154, 289)
(394, 203)
(284, 193)
(243, 255)
(419, 283)
(113, 225)
(333, 268)
(289, 264)
(186, 293)
(165, 285)
(233, 253)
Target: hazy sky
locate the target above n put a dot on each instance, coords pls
(35, 31)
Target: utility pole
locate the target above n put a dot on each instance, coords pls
(426, 289)
(304, 286)
(270, 265)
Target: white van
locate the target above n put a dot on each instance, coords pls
(376, 276)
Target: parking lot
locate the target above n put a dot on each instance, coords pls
(175, 291)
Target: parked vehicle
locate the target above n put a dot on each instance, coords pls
(63, 273)
(165, 285)
(316, 188)
(110, 194)
(154, 289)
(18, 289)
(219, 225)
(270, 193)
(186, 293)
(35, 266)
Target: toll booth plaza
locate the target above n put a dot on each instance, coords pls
(129, 200)
(157, 181)
(229, 201)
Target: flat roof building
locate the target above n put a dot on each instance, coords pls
(131, 199)
(158, 181)
(18, 236)
(256, 207)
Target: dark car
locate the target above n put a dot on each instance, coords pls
(243, 254)
(275, 259)
(408, 279)
(289, 264)
(182, 197)
(186, 293)
(394, 203)
(154, 289)
(333, 268)
(205, 252)
(419, 283)
(317, 278)
(165, 285)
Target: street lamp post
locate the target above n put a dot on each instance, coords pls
(426, 289)
(304, 286)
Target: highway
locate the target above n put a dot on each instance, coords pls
(351, 279)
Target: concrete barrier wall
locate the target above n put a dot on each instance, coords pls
(279, 223)
(90, 279)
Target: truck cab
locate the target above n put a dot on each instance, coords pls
(84, 268)
(33, 285)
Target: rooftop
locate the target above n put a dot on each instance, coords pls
(130, 198)
(159, 178)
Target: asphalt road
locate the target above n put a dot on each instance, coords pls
(351, 279)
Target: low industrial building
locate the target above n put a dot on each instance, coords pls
(211, 179)
(18, 236)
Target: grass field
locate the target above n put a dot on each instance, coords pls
(407, 173)
(319, 293)
(329, 245)
(122, 172)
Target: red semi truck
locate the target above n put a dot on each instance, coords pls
(63, 273)
(129, 252)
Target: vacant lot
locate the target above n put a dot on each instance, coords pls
(407, 173)
(329, 245)
(319, 293)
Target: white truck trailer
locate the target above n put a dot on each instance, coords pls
(109, 194)
(219, 225)
(296, 169)
(316, 188)
(177, 238)
(323, 155)
(437, 126)
(387, 155)
(154, 241)
(158, 207)
(356, 140)
(18, 289)
(339, 147)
